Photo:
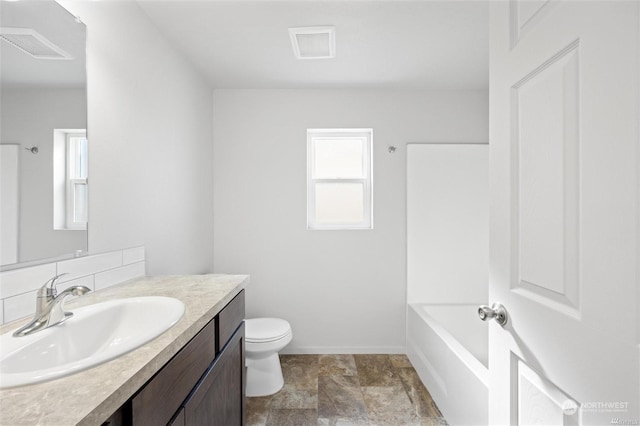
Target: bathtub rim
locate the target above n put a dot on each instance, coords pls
(469, 360)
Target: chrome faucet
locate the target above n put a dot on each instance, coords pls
(49, 307)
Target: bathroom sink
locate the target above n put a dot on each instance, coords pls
(95, 334)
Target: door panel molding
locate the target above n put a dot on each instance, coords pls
(541, 402)
(524, 15)
(545, 117)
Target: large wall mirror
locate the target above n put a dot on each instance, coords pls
(43, 133)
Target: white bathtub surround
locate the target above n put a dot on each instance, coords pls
(18, 287)
(447, 346)
(447, 223)
(10, 197)
(447, 274)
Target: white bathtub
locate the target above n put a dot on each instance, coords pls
(448, 346)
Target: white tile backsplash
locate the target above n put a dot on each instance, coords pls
(118, 275)
(88, 265)
(133, 255)
(18, 287)
(20, 281)
(87, 281)
(19, 306)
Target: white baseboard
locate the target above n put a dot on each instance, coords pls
(332, 350)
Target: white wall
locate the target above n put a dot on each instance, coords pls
(29, 117)
(342, 291)
(150, 142)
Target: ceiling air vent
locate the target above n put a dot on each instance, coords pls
(32, 43)
(313, 42)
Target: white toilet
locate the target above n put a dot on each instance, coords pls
(264, 338)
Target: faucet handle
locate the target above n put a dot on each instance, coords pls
(49, 288)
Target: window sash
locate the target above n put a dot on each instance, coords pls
(362, 139)
(367, 180)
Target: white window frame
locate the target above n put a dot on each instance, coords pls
(366, 135)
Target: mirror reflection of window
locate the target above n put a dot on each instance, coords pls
(77, 181)
(70, 179)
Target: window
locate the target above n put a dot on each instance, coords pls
(339, 179)
(70, 179)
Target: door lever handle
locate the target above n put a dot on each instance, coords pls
(495, 311)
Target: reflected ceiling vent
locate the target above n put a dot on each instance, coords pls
(32, 43)
(313, 42)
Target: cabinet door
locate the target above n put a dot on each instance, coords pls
(219, 397)
(120, 417)
(159, 400)
(178, 420)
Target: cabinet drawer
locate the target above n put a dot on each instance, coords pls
(159, 400)
(229, 319)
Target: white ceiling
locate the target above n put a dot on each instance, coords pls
(18, 69)
(379, 44)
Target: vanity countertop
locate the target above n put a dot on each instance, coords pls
(91, 396)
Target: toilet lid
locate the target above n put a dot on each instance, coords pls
(265, 329)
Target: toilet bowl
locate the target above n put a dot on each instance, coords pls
(264, 338)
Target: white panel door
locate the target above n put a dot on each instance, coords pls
(564, 112)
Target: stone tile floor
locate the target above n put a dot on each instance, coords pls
(346, 390)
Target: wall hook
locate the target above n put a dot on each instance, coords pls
(33, 149)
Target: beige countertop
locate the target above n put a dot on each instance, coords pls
(91, 396)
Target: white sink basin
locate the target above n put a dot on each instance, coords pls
(95, 334)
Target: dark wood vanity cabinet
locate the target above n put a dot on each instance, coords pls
(203, 384)
(218, 398)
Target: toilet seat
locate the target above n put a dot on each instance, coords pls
(266, 330)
